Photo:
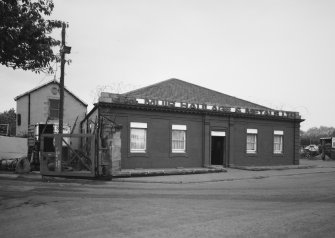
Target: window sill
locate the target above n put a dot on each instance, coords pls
(251, 154)
(178, 154)
(138, 154)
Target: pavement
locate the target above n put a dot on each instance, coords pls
(194, 175)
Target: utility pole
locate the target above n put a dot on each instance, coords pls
(64, 50)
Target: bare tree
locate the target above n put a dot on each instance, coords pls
(116, 87)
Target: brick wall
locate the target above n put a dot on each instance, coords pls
(198, 142)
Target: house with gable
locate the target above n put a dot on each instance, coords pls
(175, 124)
(41, 105)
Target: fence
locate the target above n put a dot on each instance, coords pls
(67, 155)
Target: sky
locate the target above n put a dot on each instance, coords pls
(276, 53)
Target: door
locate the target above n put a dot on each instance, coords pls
(217, 148)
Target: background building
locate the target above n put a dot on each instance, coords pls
(40, 103)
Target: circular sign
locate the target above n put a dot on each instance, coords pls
(54, 90)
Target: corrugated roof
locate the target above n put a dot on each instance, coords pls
(181, 91)
(46, 84)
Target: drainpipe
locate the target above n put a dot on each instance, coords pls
(28, 109)
(203, 140)
(228, 142)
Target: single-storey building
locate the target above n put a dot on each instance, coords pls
(41, 105)
(178, 124)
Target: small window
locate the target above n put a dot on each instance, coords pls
(278, 142)
(178, 143)
(138, 137)
(252, 141)
(19, 119)
(53, 108)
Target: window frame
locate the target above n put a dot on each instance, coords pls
(138, 126)
(53, 109)
(280, 134)
(252, 132)
(179, 127)
(18, 119)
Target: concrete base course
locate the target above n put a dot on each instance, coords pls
(196, 175)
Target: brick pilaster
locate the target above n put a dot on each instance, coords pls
(296, 144)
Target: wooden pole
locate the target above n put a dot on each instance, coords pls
(61, 86)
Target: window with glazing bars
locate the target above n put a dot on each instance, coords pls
(278, 142)
(138, 137)
(178, 143)
(54, 108)
(252, 140)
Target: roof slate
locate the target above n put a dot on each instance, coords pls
(181, 91)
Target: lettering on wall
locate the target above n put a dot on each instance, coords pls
(217, 108)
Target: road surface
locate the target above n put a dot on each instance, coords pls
(280, 206)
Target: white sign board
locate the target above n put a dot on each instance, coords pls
(218, 133)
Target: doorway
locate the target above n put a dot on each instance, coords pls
(48, 142)
(218, 148)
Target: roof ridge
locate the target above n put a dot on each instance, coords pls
(151, 85)
(196, 86)
(33, 89)
(220, 93)
(46, 84)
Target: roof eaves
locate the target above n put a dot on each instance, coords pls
(46, 84)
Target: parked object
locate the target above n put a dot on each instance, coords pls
(327, 147)
(312, 148)
(8, 164)
(22, 166)
(310, 151)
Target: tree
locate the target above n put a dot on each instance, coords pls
(9, 117)
(24, 40)
(313, 135)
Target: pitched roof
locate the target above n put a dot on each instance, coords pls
(46, 84)
(181, 91)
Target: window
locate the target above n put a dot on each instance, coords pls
(178, 143)
(19, 119)
(138, 137)
(252, 140)
(53, 108)
(278, 142)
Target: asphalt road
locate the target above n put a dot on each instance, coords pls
(281, 206)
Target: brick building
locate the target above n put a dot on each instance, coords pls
(178, 124)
